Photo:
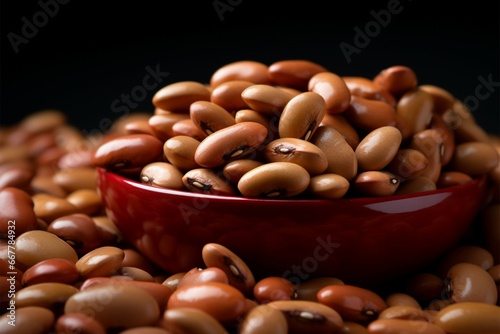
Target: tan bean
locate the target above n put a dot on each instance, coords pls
(207, 181)
(29, 319)
(138, 126)
(350, 327)
(369, 115)
(298, 151)
(342, 125)
(417, 185)
(50, 295)
(305, 316)
(352, 303)
(203, 275)
(209, 117)
(397, 326)
(415, 107)
(162, 174)
(264, 319)
(469, 318)
(115, 305)
(301, 116)
(51, 270)
(294, 73)
(340, 155)
(452, 178)
(178, 96)
(401, 299)
(78, 230)
(469, 254)
(443, 99)
(234, 170)
(363, 87)
(490, 223)
(35, 246)
(475, 158)
(172, 281)
(162, 125)
(222, 301)
(333, 90)
(273, 288)
(308, 290)
(186, 127)
(128, 151)
(250, 115)
(377, 149)
(190, 320)
(238, 273)
(145, 330)
(88, 201)
(102, 261)
(247, 70)
(45, 184)
(448, 137)
(228, 95)
(17, 215)
(49, 208)
(266, 99)
(467, 282)
(136, 274)
(397, 79)
(9, 154)
(108, 232)
(275, 180)
(408, 164)
(234, 142)
(430, 143)
(330, 186)
(403, 312)
(78, 322)
(180, 150)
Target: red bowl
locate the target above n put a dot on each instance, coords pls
(361, 240)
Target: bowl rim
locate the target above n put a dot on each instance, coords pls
(102, 172)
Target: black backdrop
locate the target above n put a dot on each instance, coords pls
(81, 56)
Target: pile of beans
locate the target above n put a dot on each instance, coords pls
(64, 267)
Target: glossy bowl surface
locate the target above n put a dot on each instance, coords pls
(359, 240)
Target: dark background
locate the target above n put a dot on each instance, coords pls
(90, 53)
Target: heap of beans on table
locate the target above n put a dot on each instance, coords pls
(292, 129)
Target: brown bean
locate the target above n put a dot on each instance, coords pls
(136, 274)
(177, 97)
(51, 295)
(45, 184)
(128, 151)
(222, 301)
(209, 117)
(264, 319)
(108, 232)
(228, 95)
(352, 303)
(415, 107)
(403, 312)
(203, 275)
(275, 180)
(467, 282)
(180, 150)
(443, 99)
(162, 174)
(469, 318)
(35, 246)
(162, 125)
(88, 201)
(115, 305)
(49, 208)
(430, 143)
(408, 164)
(369, 115)
(172, 281)
(308, 290)
(43, 120)
(460, 119)
(78, 323)
(397, 79)
(102, 261)
(305, 316)
(266, 99)
(247, 70)
(467, 253)
(51, 270)
(333, 90)
(401, 299)
(362, 86)
(377, 149)
(342, 125)
(298, 151)
(234, 142)
(452, 178)
(250, 115)
(78, 230)
(29, 319)
(273, 288)
(17, 215)
(238, 273)
(234, 170)
(475, 158)
(301, 116)
(327, 185)
(207, 181)
(350, 327)
(17, 174)
(186, 127)
(190, 320)
(294, 73)
(397, 326)
(425, 287)
(448, 137)
(138, 126)
(9, 154)
(417, 185)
